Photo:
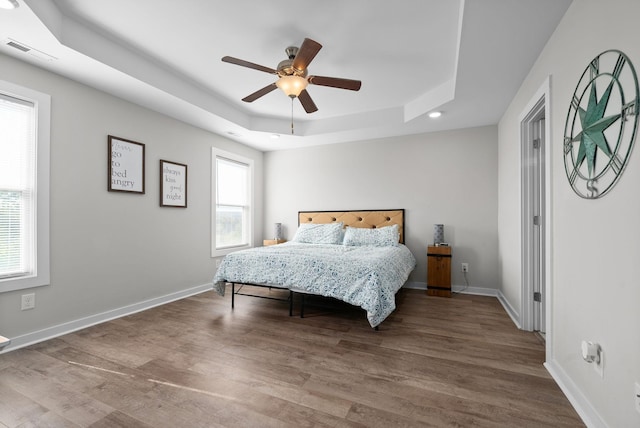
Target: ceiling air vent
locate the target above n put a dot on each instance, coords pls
(18, 46)
(28, 50)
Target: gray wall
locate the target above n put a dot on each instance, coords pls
(446, 177)
(594, 248)
(108, 249)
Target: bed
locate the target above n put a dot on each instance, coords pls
(358, 257)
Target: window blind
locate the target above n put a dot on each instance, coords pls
(17, 187)
(232, 207)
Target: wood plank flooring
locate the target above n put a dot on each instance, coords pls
(435, 362)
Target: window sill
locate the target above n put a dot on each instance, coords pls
(13, 284)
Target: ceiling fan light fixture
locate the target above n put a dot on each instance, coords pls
(9, 4)
(292, 85)
(435, 114)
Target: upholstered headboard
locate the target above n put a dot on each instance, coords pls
(370, 219)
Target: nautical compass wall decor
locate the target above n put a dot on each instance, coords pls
(601, 124)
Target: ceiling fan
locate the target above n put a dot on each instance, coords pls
(293, 78)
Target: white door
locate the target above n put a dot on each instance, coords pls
(537, 238)
(533, 147)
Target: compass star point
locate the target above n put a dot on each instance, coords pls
(594, 123)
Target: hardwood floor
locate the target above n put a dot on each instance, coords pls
(196, 363)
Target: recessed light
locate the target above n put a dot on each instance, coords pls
(9, 4)
(435, 114)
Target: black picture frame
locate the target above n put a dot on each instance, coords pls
(173, 184)
(125, 165)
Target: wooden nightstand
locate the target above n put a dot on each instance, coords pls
(439, 271)
(268, 242)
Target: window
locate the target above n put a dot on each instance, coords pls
(24, 187)
(233, 199)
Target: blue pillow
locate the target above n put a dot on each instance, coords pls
(311, 233)
(380, 237)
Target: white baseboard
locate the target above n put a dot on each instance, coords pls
(583, 407)
(479, 291)
(515, 316)
(415, 285)
(71, 326)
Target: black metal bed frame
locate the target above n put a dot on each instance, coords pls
(325, 297)
(241, 284)
(289, 299)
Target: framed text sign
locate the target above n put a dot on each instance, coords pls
(126, 165)
(173, 184)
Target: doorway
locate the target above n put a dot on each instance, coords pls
(534, 219)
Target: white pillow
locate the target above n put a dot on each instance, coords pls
(311, 233)
(387, 236)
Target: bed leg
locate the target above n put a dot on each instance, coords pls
(301, 305)
(376, 328)
(290, 303)
(233, 294)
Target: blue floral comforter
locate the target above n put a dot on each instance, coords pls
(364, 276)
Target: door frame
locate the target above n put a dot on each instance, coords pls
(540, 104)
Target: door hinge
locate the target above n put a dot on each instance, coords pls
(536, 220)
(536, 143)
(537, 297)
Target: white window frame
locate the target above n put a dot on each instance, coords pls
(217, 153)
(42, 104)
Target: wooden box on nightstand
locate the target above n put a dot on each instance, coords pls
(439, 271)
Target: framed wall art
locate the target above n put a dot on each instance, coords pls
(126, 165)
(173, 184)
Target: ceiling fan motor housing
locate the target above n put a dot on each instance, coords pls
(285, 67)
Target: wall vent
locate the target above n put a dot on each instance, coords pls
(18, 46)
(28, 50)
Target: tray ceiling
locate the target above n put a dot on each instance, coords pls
(464, 58)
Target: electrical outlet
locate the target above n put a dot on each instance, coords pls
(465, 267)
(28, 301)
(637, 399)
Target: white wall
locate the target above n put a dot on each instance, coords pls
(446, 177)
(109, 249)
(595, 243)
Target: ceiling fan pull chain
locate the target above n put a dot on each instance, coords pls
(291, 115)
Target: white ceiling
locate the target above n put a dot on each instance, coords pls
(465, 58)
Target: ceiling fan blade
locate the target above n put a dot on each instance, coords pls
(307, 102)
(306, 54)
(259, 93)
(335, 82)
(248, 64)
